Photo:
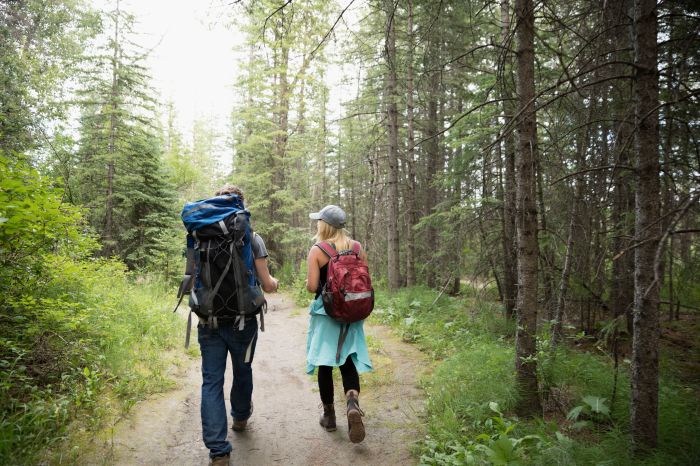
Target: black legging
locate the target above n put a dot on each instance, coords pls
(351, 381)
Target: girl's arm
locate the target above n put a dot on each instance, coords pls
(313, 270)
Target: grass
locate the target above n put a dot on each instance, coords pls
(86, 345)
(471, 392)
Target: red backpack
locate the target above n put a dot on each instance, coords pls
(348, 295)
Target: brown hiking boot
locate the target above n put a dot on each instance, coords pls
(328, 417)
(220, 460)
(356, 429)
(239, 426)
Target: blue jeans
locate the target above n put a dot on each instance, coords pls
(215, 345)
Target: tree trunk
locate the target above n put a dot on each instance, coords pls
(322, 198)
(528, 252)
(582, 143)
(645, 342)
(481, 220)
(393, 267)
(281, 118)
(547, 255)
(576, 220)
(432, 150)
(622, 280)
(108, 233)
(410, 159)
(510, 272)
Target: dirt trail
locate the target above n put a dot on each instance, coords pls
(284, 427)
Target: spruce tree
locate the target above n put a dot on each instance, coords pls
(120, 177)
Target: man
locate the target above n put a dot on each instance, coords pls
(215, 344)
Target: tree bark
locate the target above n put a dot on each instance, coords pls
(547, 254)
(410, 158)
(281, 118)
(645, 336)
(393, 267)
(323, 154)
(432, 151)
(526, 203)
(622, 280)
(510, 272)
(566, 268)
(108, 233)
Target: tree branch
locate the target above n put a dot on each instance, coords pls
(603, 167)
(313, 52)
(273, 14)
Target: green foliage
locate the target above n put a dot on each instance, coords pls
(87, 330)
(471, 391)
(71, 328)
(118, 169)
(592, 408)
(191, 168)
(443, 326)
(40, 47)
(497, 444)
(279, 131)
(34, 221)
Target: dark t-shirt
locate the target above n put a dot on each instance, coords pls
(258, 245)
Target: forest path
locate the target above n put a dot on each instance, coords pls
(284, 428)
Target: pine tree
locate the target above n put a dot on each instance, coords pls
(277, 128)
(119, 175)
(40, 45)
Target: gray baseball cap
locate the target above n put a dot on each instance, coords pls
(331, 214)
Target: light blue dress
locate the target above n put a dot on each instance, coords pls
(322, 341)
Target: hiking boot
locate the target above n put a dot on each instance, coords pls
(356, 430)
(239, 426)
(220, 460)
(328, 417)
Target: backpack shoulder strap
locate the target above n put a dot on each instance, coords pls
(325, 247)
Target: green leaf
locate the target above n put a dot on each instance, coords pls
(597, 404)
(574, 413)
(563, 439)
(502, 452)
(415, 304)
(532, 438)
(580, 425)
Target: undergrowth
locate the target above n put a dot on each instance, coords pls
(84, 332)
(471, 393)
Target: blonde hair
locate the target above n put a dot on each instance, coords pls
(337, 236)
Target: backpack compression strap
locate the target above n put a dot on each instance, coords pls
(344, 330)
(331, 252)
(188, 278)
(327, 248)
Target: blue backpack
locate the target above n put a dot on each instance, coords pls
(220, 273)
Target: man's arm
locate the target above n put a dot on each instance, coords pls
(268, 282)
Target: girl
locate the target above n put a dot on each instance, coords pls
(322, 340)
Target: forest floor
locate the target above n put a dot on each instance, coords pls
(284, 429)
